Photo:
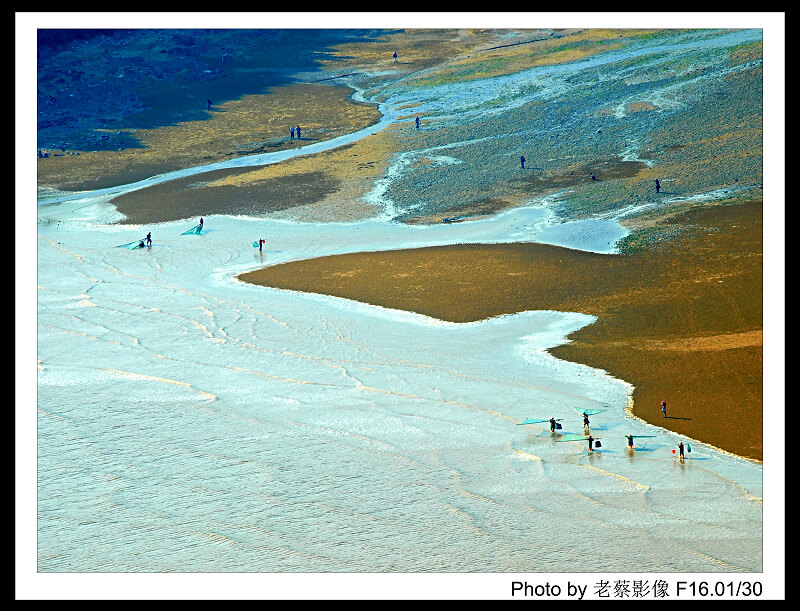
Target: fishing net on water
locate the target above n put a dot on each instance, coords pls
(196, 230)
(132, 245)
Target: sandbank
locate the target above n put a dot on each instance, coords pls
(680, 321)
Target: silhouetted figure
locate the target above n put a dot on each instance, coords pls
(416, 120)
(522, 161)
(395, 56)
(658, 186)
(209, 104)
(148, 239)
(291, 133)
(297, 131)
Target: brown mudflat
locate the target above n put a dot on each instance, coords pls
(681, 322)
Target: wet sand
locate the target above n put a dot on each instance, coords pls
(681, 321)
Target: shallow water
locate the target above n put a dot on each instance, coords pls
(191, 422)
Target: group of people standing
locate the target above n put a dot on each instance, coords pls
(594, 443)
(293, 131)
(148, 240)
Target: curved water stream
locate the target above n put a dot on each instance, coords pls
(388, 115)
